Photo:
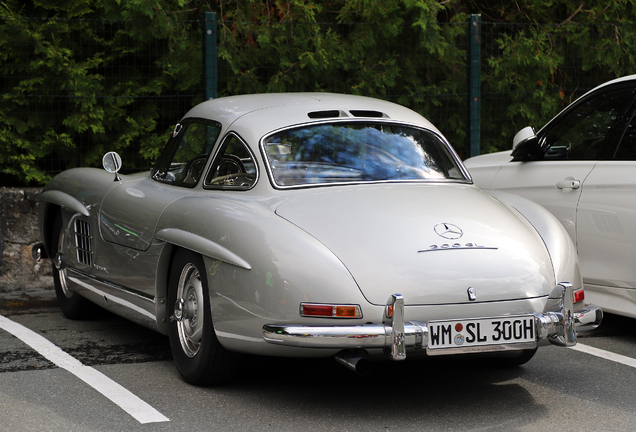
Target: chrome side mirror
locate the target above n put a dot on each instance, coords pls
(112, 163)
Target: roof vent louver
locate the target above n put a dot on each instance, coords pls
(326, 114)
(367, 113)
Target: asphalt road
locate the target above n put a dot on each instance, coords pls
(132, 385)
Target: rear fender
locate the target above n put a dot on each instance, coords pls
(560, 246)
(175, 239)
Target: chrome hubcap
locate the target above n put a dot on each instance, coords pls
(188, 310)
(58, 262)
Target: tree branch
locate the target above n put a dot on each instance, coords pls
(575, 12)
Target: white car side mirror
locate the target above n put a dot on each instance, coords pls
(523, 136)
(525, 145)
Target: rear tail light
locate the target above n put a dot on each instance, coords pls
(330, 310)
(578, 295)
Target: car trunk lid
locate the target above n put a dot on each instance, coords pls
(430, 243)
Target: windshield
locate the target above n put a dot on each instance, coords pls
(359, 152)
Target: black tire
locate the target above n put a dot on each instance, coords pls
(1, 245)
(73, 305)
(199, 356)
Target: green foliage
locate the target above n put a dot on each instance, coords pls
(84, 78)
(75, 85)
(540, 55)
(394, 49)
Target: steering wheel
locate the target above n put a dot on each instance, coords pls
(230, 164)
(236, 179)
(194, 168)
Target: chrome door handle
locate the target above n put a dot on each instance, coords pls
(568, 183)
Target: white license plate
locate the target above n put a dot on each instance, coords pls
(481, 332)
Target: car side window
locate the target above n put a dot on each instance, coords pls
(581, 134)
(627, 148)
(234, 166)
(184, 157)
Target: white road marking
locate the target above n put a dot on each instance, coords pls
(608, 355)
(122, 397)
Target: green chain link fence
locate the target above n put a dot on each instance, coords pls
(71, 90)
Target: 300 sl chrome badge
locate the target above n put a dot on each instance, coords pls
(456, 246)
(448, 231)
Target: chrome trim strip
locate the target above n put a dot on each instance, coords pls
(227, 335)
(114, 299)
(84, 275)
(82, 279)
(448, 247)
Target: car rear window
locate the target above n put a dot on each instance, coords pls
(359, 152)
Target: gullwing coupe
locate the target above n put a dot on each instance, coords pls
(312, 225)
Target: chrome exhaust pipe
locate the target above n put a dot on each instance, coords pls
(355, 360)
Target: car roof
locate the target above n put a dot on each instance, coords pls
(609, 83)
(585, 95)
(263, 113)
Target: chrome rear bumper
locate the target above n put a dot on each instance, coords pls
(558, 324)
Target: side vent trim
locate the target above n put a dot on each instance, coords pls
(83, 242)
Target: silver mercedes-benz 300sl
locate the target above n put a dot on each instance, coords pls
(312, 225)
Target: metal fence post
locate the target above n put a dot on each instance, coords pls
(473, 68)
(210, 57)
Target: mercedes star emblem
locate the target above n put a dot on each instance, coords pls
(448, 231)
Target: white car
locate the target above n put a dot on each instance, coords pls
(581, 166)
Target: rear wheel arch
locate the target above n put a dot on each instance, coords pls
(165, 269)
(49, 214)
(164, 264)
(199, 356)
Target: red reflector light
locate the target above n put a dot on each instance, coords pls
(330, 311)
(316, 310)
(579, 295)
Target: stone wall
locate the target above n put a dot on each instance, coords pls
(20, 275)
